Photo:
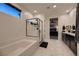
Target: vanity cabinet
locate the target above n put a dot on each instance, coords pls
(69, 40)
(73, 45)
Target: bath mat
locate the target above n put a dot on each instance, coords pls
(44, 44)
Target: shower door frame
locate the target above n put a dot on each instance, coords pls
(38, 27)
(40, 35)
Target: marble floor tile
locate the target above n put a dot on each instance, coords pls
(55, 48)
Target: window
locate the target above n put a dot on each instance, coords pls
(10, 10)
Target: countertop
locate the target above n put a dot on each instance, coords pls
(72, 34)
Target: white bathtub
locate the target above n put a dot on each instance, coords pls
(23, 48)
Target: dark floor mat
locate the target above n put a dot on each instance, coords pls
(44, 44)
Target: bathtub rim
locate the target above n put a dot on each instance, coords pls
(17, 52)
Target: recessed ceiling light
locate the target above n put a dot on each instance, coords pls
(35, 11)
(54, 6)
(67, 11)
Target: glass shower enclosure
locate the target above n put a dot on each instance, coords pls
(34, 28)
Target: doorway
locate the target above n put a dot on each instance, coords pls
(54, 28)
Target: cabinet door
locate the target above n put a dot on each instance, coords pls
(67, 40)
(74, 47)
(63, 37)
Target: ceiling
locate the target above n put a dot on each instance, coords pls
(47, 8)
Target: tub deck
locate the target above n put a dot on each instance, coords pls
(23, 48)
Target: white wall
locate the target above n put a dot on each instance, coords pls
(11, 29)
(67, 19)
(47, 28)
(27, 14)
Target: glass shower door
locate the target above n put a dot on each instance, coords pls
(32, 27)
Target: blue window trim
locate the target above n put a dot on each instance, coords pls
(13, 6)
(9, 9)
